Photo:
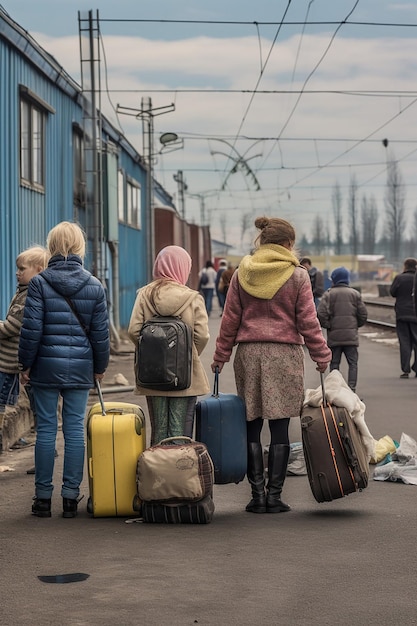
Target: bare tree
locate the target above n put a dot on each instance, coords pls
(303, 246)
(369, 215)
(319, 235)
(414, 233)
(353, 215)
(394, 209)
(337, 214)
(244, 225)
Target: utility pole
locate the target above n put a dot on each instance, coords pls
(89, 35)
(201, 198)
(182, 186)
(147, 113)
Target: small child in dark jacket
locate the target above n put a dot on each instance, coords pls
(28, 263)
(342, 311)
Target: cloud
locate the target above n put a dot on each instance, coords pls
(293, 177)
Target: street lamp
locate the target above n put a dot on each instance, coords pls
(170, 142)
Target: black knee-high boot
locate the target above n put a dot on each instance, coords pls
(277, 470)
(256, 478)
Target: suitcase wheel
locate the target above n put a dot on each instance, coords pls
(89, 506)
(137, 504)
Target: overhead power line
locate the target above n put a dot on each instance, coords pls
(261, 23)
(384, 93)
(310, 75)
(197, 136)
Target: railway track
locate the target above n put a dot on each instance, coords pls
(381, 313)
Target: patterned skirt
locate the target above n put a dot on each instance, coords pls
(270, 378)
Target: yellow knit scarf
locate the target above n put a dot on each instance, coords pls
(267, 270)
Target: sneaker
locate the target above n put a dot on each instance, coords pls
(41, 507)
(404, 375)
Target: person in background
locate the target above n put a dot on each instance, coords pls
(406, 315)
(342, 311)
(206, 284)
(316, 278)
(64, 345)
(28, 263)
(226, 278)
(220, 294)
(269, 313)
(172, 412)
(415, 293)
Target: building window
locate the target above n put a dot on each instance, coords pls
(121, 196)
(78, 156)
(33, 112)
(133, 204)
(32, 145)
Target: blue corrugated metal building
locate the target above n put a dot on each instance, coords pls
(42, 172)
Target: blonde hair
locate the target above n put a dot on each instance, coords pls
(66, 238)
(35, 256)
(274, 230)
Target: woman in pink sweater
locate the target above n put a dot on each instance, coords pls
(270, 314)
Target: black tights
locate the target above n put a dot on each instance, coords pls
(277, 428)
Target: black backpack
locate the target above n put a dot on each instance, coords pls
(204, 278)
(163, 357)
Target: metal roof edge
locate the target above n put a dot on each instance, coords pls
(12, 32)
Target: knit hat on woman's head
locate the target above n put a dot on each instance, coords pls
(339, 276)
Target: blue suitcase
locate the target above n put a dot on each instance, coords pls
(221, 425)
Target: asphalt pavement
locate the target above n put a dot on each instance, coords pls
(350, 561)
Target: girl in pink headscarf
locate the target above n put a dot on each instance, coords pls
(173, 263)
(172, 412)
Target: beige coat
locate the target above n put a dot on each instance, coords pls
(175, 299)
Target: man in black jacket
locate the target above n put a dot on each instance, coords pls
(406, 319)
(316, 279)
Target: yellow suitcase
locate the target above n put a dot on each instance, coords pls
(115, 438)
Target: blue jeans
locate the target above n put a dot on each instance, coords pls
(208, 298)
(221, 297)
(74, 404)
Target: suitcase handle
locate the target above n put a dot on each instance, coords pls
(169, 440)
(322, 388)
(100, 396)
(216, 382)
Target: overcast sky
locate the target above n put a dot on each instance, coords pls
(297, 107)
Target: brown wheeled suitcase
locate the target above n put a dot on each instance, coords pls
(335, 456)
